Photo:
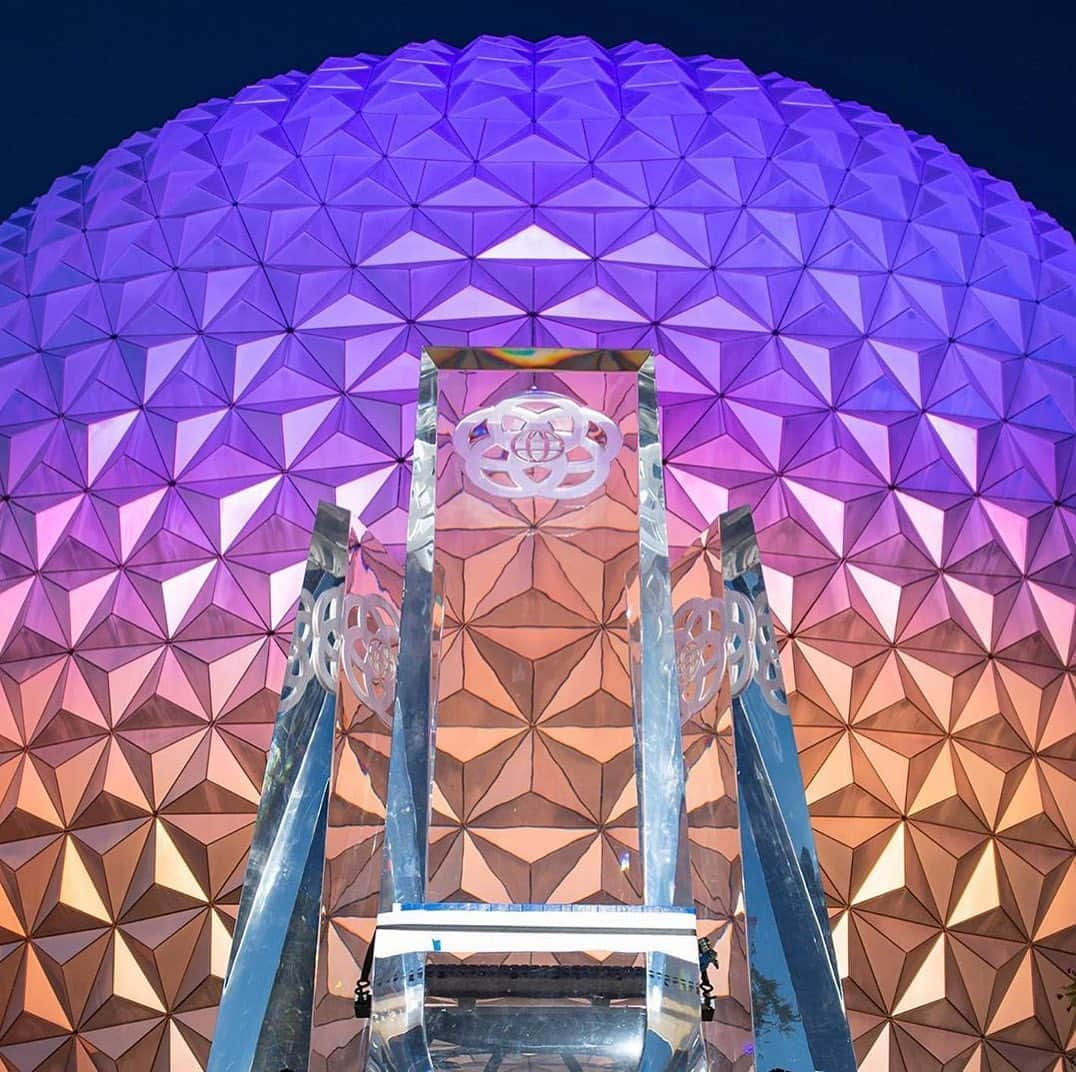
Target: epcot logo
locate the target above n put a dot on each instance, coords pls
(359, 633)
(735, 633)
(539, 444)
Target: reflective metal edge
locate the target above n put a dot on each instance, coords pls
(266, 1007)
(775, 828)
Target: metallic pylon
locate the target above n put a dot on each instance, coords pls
(537, 450)
(265, 1010)
(796, 997)
(798, 1003)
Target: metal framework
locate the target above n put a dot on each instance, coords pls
(554, 456)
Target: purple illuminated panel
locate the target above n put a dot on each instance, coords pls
(859, 336)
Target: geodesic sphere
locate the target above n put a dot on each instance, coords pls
(219, 324)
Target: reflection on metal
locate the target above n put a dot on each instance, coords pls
(537, 444)
(798, 1003)
(713, 818)
(397, 1024)
(534, 721)
(700, 652)
(371, 636)
(358, 792)
(732, 633)
(673, 1015)
(543, 483)
(655, 685)
(265, 1010)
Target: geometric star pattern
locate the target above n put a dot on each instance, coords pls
(856, 334)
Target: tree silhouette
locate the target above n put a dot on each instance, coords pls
(1069, 992)
(770, 1008)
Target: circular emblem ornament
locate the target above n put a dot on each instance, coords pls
(371, 629)
(539, 444)
(733, 633)
(355, 632)
(700, 653)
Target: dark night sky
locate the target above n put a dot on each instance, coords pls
(993, 82)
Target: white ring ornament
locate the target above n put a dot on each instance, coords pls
(361, 632)
(537, 445)
(733, 633)
(740, 633)
(768, 670)
(700, 653)
(298, 669)
(371, 637)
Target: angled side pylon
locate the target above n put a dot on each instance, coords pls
(797, 1000)
(265, 1010)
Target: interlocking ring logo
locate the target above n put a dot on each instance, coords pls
(768, 674)
(539, 444)
(355, 632)
(740, 628)
(299, 670)
(371, 646)
(733, 633)
(700, 652)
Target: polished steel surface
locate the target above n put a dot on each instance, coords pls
(411, 761)
(537, 607)
(265, 1012)
(488, 669)
(713, 797)
(655, 685)
(798, 1003)
(358, 793)
(397, 1029)
(673, 1037)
